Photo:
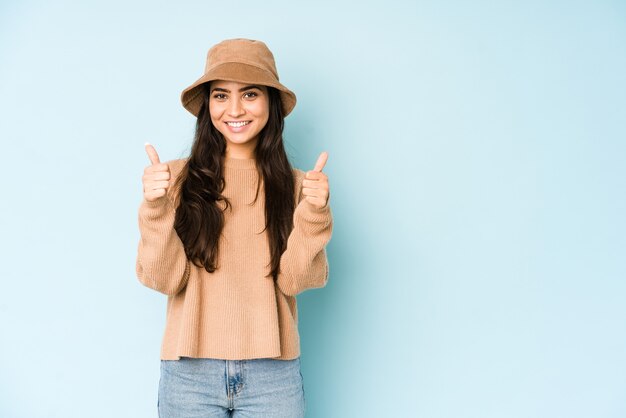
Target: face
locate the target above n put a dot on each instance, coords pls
(230, 101)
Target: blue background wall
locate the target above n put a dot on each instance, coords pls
(477, 158)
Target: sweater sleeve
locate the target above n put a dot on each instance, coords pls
(304, 264)
(161, 262)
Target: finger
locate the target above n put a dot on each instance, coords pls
(319, 193)
(309, 191)
(155, 185)
(321, 161)
(152, 154)
(156, 175)
(315, 182)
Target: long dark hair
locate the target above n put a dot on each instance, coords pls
(199, 215)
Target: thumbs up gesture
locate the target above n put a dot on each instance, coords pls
(315, 183)
(156, 176)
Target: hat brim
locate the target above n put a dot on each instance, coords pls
(192, 96)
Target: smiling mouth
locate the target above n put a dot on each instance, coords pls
(238, 124)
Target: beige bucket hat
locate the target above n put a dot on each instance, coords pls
(242, 60)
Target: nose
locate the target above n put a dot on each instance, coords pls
(235, 109)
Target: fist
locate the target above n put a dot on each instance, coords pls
(315, 183)
(156, 176)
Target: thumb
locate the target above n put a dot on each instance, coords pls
(152, 154)
(321, 161)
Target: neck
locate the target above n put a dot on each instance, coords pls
(241, 151)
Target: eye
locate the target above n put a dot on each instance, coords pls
(253, 93)
(216, 95)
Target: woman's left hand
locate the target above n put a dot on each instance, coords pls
(315, 183)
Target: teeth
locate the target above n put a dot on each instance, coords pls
(237, 124)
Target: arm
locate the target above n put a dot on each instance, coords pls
(304, 264)
(161, 264)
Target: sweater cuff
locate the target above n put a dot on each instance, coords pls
(153, 210)
(161, 201)
(313, 213)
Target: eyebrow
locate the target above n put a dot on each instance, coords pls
(252, 86)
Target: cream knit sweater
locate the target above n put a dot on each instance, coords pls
(234, 313)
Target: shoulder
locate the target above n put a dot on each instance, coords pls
(176, 166)
(298, 174)
(298, 177)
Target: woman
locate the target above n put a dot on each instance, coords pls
(231, 234)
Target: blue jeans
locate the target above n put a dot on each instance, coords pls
(255, 388)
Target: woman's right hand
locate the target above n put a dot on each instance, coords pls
(156, 176)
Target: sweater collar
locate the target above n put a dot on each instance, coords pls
(240, 163)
